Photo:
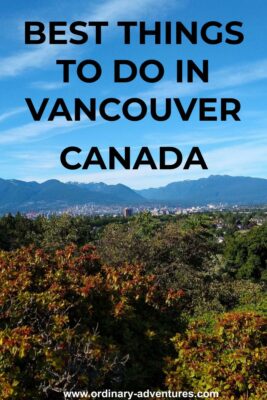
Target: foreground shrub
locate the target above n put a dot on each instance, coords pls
(229, 357)
(67, 322)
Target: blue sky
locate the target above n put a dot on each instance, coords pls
(30, 150)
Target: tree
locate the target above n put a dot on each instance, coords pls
(229, 357)
(67, 322)
(246, 254)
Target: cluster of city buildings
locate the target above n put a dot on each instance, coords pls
(91, 209)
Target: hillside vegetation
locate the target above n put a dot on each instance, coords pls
(174, 303)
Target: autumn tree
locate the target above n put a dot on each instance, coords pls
(229, 357)
(67, 322)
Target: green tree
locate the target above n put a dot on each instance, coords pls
(245, 254)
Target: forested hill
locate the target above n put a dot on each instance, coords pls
(18, 195)
(216, 189)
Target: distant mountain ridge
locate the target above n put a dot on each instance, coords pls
(217, 189)
(16, 195)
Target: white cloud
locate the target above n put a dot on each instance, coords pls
(109, 10)
(241, 159)
(34, 130)
(48, 85)
(238, 75)
(9, 114)
(234, 76)
(18, 63)
(113, 10)
(47, 161)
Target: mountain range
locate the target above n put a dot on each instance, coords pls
(16, 195)
(22, 196)
(217, 189)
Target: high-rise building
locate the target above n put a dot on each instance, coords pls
(127, 212)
